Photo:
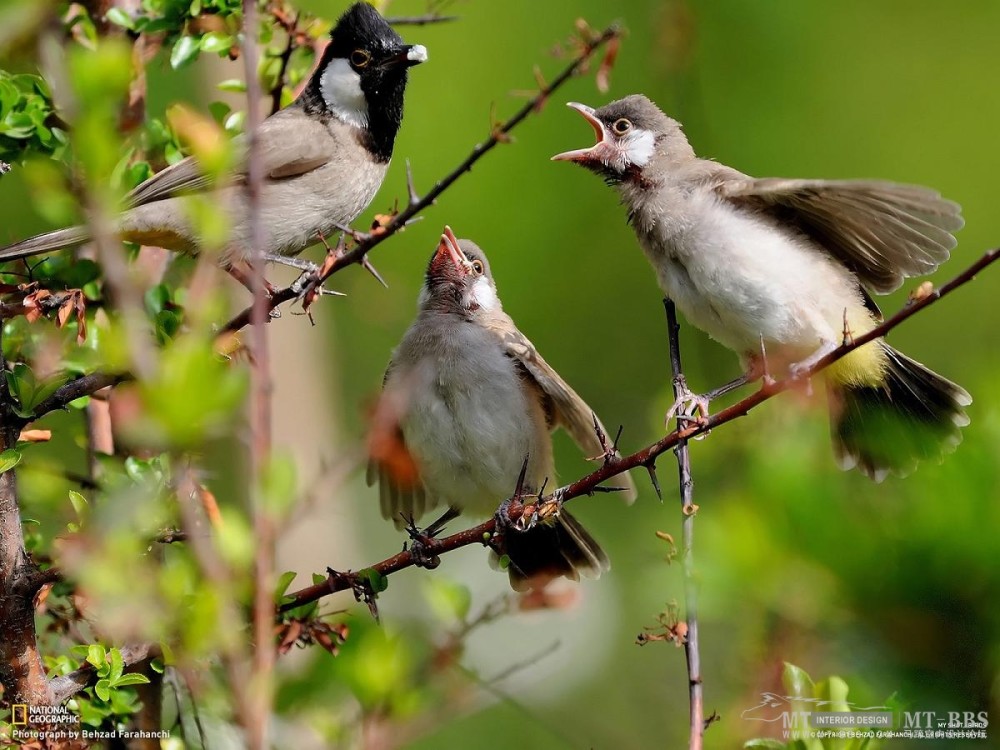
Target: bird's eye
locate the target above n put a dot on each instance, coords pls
(360, 58)
(622, 126)
(477, 266)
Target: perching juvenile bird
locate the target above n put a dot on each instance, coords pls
(323, 157)
(790, 264)
(466, 400)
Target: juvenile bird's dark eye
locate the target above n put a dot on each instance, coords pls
(477, 266)
(622, 126)
(360, 58)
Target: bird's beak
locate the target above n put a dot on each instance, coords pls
(586, 154)
(407, 56)
(449, 247)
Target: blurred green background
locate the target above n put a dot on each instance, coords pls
(892, 586)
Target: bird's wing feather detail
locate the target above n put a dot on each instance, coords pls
(882, 231)
(289, 147)
(564, 405)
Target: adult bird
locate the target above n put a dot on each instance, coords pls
(467, 400)
(789, 264)
(323, 157)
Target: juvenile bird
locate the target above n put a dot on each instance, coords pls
(323, 157)
(466, 400)
(789, 264)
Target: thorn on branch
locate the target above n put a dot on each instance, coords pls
(411, 188)
(651, 468)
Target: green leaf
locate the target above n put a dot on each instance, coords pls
(213, 41)
(284, 581)
(376, 580)
(117, 666)
(132, 678)
(103, 690)
(119, 17)
(797, 682)
(80, 506)
(235, 85)
(96, 655)
(9, 459)
(185, 50)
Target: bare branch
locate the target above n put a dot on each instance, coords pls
(358, 253)
(688, 509)
(424, 20)
(85, 385)
(646, 457)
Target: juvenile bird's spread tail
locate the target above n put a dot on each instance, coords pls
(548, 551)
(45, 243)
(915, 414)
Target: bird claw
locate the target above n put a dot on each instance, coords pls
(685, 406)
(418, 547)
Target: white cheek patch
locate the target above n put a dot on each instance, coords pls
(484, 295)
(638, 147)
(341, 89)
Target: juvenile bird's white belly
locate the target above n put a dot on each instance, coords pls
(470, 432)
(738, 278)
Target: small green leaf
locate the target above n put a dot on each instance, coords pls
(213, 41)
(157, 665)
(797, 682)
(185, 50)
(376, 580)
(117, 666)
(132, 678)
(96, 655)
(233, 84)
(9, 459)
(284, 581)
(103, 690)
(119, 17)
(80, 505)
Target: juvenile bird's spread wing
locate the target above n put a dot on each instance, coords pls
(881, 231)
(289, 146)
(563, 406)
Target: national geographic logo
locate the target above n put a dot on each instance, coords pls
(19, 715)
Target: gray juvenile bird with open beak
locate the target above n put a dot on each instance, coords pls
(323, 157)
(789, 264)
(466, 400)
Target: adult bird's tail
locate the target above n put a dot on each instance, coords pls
(548, 551)
(45, 243)
(914, 414)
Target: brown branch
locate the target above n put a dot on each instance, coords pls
(415, 205)
(255, 702)
(66, 686)
(22, 673)
(643, 458)
(85, 385)
(688, 509)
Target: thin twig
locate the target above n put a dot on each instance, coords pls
(358, 253)
(424, 20)
(688, 510)
(645, 457)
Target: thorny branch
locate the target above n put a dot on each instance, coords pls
(341, 258)
(646, 457)
(688, 509)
